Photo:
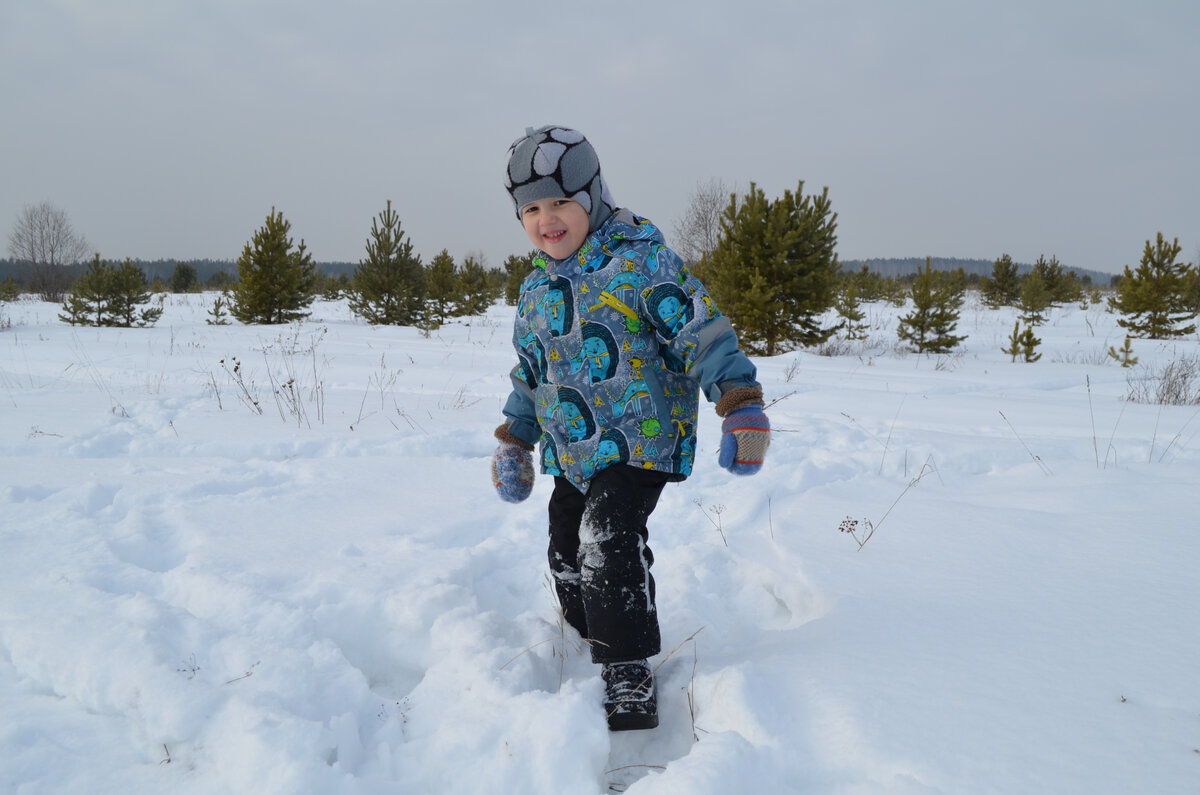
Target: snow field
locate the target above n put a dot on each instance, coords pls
(326, 597)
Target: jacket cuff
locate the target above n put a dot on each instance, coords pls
(503, 434)
(738, 397)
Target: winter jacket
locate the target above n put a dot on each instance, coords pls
(612, 344)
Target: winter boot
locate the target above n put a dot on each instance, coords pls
(629, 696)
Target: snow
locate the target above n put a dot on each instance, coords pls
(327, 597)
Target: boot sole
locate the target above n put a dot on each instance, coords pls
(631, 721)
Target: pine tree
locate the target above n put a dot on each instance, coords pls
(10, 290)
(1029, 344)
(86, 301)
(476, 288)
(109, 295)
(333, 287)
(1004, 286)
(1035, 298)
(1061, 286)
(276, 282)
(515, 270)
(871, 286)
(1124, 354)
(849, 308)
(866, 283)
(128, 290)
(216, 313)
(936, 299)
(441, 288)
(1014, 341)
(956, 282)
(1023, 344)
(184, 279)
(1155, 299)
(774, 270)
(388, 287)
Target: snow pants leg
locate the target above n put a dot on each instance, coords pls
(601, 564)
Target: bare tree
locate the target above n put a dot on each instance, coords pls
(43, 240)
(697, 232)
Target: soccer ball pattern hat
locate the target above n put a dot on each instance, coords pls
(555, 161)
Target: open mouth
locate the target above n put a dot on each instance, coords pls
(555, 237)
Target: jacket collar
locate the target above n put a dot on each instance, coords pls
(623, 224)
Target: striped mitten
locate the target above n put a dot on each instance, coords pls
(745, 437)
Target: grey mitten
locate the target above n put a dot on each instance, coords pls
(512, 467)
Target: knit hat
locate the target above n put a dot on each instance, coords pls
(555, 161)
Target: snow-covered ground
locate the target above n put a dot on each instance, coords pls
(269, 560)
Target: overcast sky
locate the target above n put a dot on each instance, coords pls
(170, 129)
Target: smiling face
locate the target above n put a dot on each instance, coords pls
(556, 226)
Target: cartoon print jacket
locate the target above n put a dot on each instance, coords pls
(613, 343)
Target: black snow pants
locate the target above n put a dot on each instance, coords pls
(601, 564)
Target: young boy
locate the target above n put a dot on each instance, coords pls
(613, 337)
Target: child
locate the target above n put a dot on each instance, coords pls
(613, 337)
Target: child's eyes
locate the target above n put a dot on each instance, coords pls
(533, 208)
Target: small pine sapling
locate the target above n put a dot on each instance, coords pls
(1029, 345)
(937, 298)
(1023, 344)
(849, 308)
(216, 315)
(1014, 341)
(1124, 354)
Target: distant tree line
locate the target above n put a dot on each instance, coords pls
(164, 275)
(907, 267)
(273, 281)
(770, 264)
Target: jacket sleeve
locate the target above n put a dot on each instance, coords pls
(720, 365)
(707, 345)
(519, 413)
